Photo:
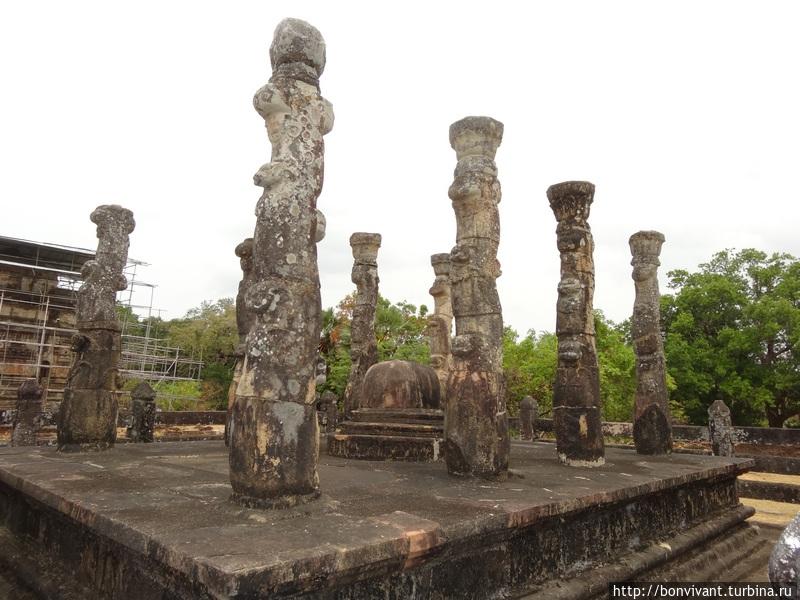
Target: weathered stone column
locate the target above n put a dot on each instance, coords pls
(440, 324)
(476, 423)
(143, 413)
(576, 393)
(652, 431)
(527, 407)
(720, 429)
(363, 345)
(28, 418)
(274, 435)
(245, 318)
(87, 419)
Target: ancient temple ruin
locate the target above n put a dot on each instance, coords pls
(476, 436)
(363, 346)
(652, 430)
(87, 419)
(28, 418)
(576, 393)
(274, 435)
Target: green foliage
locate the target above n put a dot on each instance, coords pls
(731, 333)
(529, 365)
(617, 363)
(399, 331)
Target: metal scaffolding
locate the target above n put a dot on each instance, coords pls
(38, 285)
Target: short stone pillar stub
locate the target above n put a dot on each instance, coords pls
(29, 414)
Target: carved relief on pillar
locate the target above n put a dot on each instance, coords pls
(363, 345)
(576, 392)
(652, 430)
(87, 418)
(274, 435)
(477, 441)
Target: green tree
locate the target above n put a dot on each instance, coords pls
(732, 332)
(209, 333)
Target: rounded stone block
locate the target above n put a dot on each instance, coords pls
(400, 384)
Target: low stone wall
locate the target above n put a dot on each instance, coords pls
(693, 433)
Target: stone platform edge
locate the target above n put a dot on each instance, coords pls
(415, 541)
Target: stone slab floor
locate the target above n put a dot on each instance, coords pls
(176, 496)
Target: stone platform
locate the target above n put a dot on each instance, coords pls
(154, 521)
(414, 434)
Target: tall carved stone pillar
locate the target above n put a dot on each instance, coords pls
(274, 435)
(28, 418)
(87, 419)
(244, 321)
(440, 324)
(476, 422)
(576, 392)
(652, 431)
(363, 345)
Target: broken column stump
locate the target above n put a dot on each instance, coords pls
(577, 420)
(143, 413)
(720, 429)
(652, 430)
(363, 345)
(440, 324)
(87, 419)
(274, 435)
(329, 402)
(528, 413)
(28, 417)
(476, 437)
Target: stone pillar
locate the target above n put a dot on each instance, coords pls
(784, 561)
(28, 418)
(274, 438)
(143, 413)
(576, 392)
(652, 431)
(720, 429)
(245, 318)
(476, 423)
(329, 402)
(87, 419)
(440, 324)
(528, 413)
(363, 345)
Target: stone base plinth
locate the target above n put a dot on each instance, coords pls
(413, 434)
(145, 521)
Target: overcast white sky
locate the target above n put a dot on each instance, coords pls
(685, 115)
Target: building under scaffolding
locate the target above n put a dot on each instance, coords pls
(38, 285)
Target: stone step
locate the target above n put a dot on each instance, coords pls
(401, 429)
(398, 415)
(386, 447)
(770, 486)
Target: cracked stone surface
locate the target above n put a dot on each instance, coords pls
(576, 394)
(87, 418)
(440, 324)
(363, 344)
(476, 422)
(652, 429)
(29, 415)
(274, 435)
